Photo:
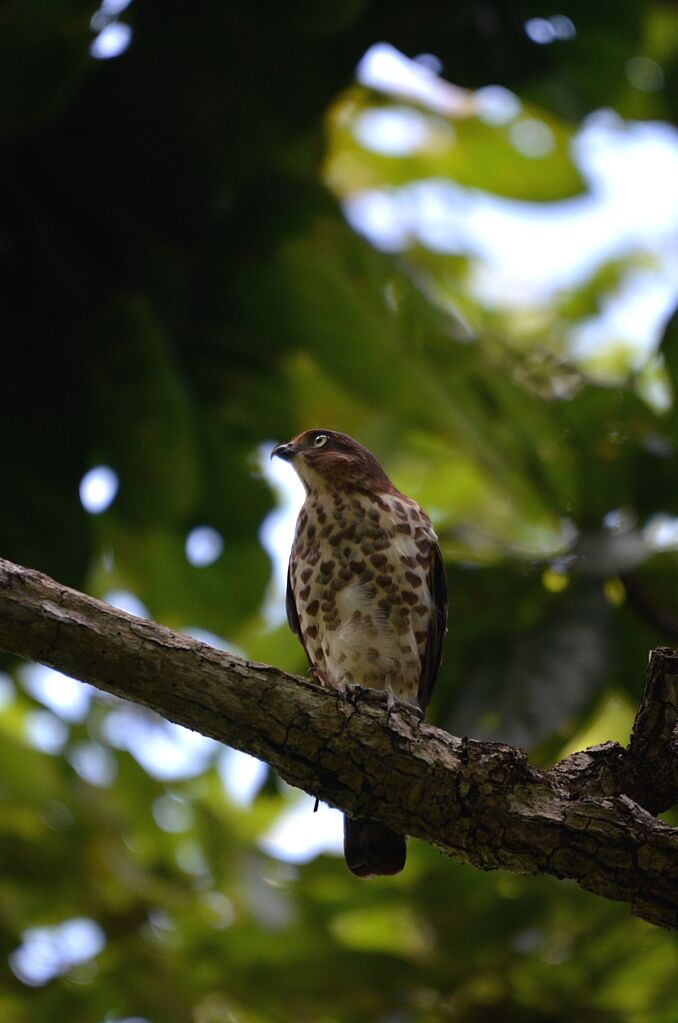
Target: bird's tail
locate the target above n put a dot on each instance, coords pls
(371, 848)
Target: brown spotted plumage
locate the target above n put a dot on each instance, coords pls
(366, 595)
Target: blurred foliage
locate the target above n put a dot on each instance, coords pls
(182, 287)
(468, 148)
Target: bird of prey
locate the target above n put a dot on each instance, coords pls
(366, 595)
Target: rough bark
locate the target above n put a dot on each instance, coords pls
(590, 818)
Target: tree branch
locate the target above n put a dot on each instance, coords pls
(590, 818)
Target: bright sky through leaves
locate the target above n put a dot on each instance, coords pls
(526, 253)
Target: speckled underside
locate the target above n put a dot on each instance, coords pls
(359, 574)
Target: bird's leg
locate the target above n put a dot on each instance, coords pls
(390, 698)
(392, 702)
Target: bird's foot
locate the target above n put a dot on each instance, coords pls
(417, 711)
(393, 705)
(351, 692)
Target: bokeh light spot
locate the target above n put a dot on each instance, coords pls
(172, 813)
(203, 546)
(532, 138)
(94, 763)
(124, 600)
(377, 214)
(392, 131)
(127, 1019)
(615, 591)
(191, 859)
(164, 750)
(65, 696)
(563, 26)
(644, 74)
(48, 952)
(98, 489)
(661, 532)
(555, 581)
(547, 30)
(242, 775)
(45, 732)
(430, 62)
(114, 7)
(220, 909)
(497, 105)
(540, 30)
(113, 40)
(292, 838)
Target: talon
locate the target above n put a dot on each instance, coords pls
(314, 672)
(417, 711)
(351, 692)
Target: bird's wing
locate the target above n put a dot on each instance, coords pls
(293, 615)
(291, 607)
(437, 584)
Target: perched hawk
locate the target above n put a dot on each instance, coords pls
(366, 595)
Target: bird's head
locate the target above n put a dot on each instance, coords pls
(327, 459)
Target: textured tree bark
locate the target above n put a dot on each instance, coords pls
(590, 818)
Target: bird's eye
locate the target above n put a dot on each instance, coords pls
(320, 440)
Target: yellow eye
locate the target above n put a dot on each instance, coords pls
(320, 440)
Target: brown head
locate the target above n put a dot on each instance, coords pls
(327, 459)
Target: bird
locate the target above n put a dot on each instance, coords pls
(366, 596)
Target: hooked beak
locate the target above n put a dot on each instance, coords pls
(284, 451)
